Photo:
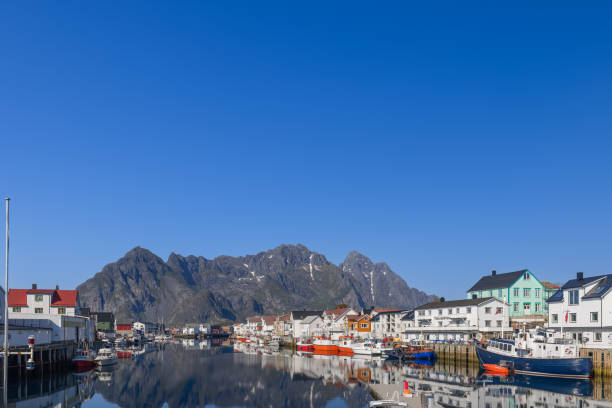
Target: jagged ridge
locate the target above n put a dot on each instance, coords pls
(141, 285)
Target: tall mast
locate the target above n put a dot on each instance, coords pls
(6, 290)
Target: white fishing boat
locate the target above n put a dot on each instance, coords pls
(106, 357)
(367, 348)
(84, 358)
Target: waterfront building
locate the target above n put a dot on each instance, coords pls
(582, 309)
(253, 325)
(282, 326)
(52, 309)
(267, 324)
(359, 326)
(458, 320)
(303, 325)
(522, 290)
(104, 323)
(334, 321)
(145, 327)
(205, 328)
(387, 323)
(123, 329)
(192, 329)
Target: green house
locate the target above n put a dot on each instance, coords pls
(521, 289)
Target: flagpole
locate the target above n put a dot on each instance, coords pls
(503, 315)
(6, 290)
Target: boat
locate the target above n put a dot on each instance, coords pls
(106, 357)
(367, 347)
(418, 352)
(305, 345)
(345, 345)
(538, 353)
(84, 358)
(323, 345)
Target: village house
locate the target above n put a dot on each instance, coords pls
(359, 326)
(334, 321)
(104, 323)
(387, 323)
(123, 329)
(53, 309)
(582, 309)
(459, 320)
(205, 329)
(192, 329)
(303, 323)
(550, 289)
(253, 325)
(145, 327)
(522, 290)
(282, 327)
(267, 324)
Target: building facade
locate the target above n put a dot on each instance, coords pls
(459, 320)
(522, 290)
(582, 309)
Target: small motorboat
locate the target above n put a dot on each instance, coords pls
(84, 358)
(323, 345)
(106, 357)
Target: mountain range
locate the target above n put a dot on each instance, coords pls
(142, 286)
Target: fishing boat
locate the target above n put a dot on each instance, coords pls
(367, 347)
(305, 345)
(345, 345)
(84, 358)
(106, 357)
(324, 345)
(536, 352)
(418, 352)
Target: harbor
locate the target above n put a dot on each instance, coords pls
(290, 379)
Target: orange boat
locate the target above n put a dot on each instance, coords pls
(324, 346)
(494, 369)
(345, 345)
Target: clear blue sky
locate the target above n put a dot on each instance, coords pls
(446, 141)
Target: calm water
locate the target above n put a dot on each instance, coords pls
(196, 374)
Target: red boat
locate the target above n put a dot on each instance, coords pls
(305, 345)
(84, 359)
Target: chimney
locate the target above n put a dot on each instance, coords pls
(474, 296)
(442, 299)
(580, 276)
(34, 286)
(493, 272)
(56, 287)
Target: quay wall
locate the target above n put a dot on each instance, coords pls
(602, 360)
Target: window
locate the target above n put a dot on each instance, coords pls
(487, 323)
(537, 307)
(16, 309)
(526, 292)
(499, 293)
(480, 293)
(364, 325)
(555, 318)
(440, 324)
(572, 317)
(487, 310)
(38, 298)
(516, 291)
(598, 336)
(490, 293)
(537, 292)
(457, 310)
(527, 276)
(440, 312)
(515, 307)
(573, 297)
(594, 316)
(38, 310)
(450, 311)
(527, 307)
(499, 310)
(61, 310)
(499, 323)
(468, 309)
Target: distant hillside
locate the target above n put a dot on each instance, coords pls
(184, 289)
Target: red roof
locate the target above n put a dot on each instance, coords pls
(124, 327)
(60, 298)
(269, 320)
(337, 312)
(352, 317)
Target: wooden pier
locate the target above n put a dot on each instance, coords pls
(47, 357)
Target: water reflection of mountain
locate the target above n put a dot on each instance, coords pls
(62, 390)
(190, 377)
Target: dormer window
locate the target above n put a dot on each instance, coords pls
(573, 297)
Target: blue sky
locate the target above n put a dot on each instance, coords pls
(445, 141)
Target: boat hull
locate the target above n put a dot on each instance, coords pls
(83, 363)
(325, 349)
(308, 348)
(553, 367)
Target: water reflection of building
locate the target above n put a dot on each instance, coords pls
(64, 390)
